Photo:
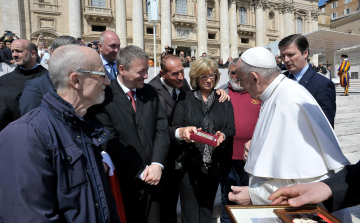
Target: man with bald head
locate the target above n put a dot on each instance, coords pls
(50, 157)
(293, 142)
(109, 45)
(12, 84)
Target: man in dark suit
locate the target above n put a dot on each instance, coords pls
(294, 50)
(6, 54)
(109, 45)
(337, 192)
(139, 139)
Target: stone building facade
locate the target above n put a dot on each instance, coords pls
(222, 28)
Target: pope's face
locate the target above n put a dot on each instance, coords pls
(293, 59)
(246, 81)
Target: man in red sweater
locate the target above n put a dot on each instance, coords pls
(246, 113)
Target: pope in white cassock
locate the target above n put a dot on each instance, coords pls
(293, 141)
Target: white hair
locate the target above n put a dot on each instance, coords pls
(264, 72)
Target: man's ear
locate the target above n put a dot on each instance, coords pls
(255, 78)
(33, 54)
(161, 73)
(75, 80)
(99, 46)
(121, 69)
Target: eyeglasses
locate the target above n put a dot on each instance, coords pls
(233, 72)
(205, 77)
(92, 72)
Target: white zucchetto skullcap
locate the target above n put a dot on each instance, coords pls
(259, 57)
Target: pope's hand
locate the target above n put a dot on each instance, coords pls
(152, 174)
(223, 95)
(301, 194)
(240, 195)
(247, 149)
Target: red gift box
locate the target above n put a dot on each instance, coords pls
(205, 138)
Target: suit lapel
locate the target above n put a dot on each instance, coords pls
(163, 92)
(121, 97)
(306, 78)
(140, 96)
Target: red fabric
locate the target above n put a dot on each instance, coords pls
(115, 189)
(246, 114)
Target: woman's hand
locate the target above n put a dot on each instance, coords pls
(185, 132)
(221, 137)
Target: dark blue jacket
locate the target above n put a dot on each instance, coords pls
(51, 167)
(6, 55)
(33, 92)
(323, 90)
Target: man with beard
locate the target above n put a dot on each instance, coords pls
(139, 139)
(50, 157)
(246, 113)
(24, 54)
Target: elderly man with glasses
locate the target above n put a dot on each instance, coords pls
(52, 169)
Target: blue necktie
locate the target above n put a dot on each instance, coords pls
(112, 70)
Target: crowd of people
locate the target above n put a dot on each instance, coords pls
(89, 141)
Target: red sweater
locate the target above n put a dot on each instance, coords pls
(246, 114)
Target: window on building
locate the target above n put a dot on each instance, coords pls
(245, 40)
(211, 36)
(334, 5)
(181, 7)
(271, 20)
(334, 15)
(98, 28)
(322, 10)
(347, 11)
(355, 75)
(41, 1)
(242, 15)
(323, 20)
(347, 1)
(149, 30)
(299, 25)
(146, 6)
(98, 3)
(209, 13)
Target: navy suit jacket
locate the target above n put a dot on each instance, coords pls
(6, 55)
(323, 90)
(33, 93)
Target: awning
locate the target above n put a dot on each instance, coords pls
(322, 41)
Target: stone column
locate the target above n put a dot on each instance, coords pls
(289, 19)
(138, 23)
(224, 29)
(174, 49)
(233, 30)
(330, 58)
(165, 24)
(260, 26)
(201, 28)
(282, 26)
(121, 21)
(193, 49)
(75, 18)
(314, 17)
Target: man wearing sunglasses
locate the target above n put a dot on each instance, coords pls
(51, 157)
(246, 113)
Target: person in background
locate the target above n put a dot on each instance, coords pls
(343, 72)
(226, 65)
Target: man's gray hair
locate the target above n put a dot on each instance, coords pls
(264, 72)
(126, 55)
(64, 62)
(64, 40)
(234, 62)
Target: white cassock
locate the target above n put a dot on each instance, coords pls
(293, 142)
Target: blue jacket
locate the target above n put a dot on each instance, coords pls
(323, 90)
(51, 167)
(33, 92)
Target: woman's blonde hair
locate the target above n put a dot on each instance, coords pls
(201, 66)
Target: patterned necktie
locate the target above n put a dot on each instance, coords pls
(132, 99)
(112, 69)
(174, 95)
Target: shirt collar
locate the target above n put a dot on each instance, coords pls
(105, 62)
(167, 86)
(299, 75)
(31, 68)
(125, 89)
(271, 88)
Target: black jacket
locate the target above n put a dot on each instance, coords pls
(52, 167)
(323, 90)
(189, 113)
(6, 55)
